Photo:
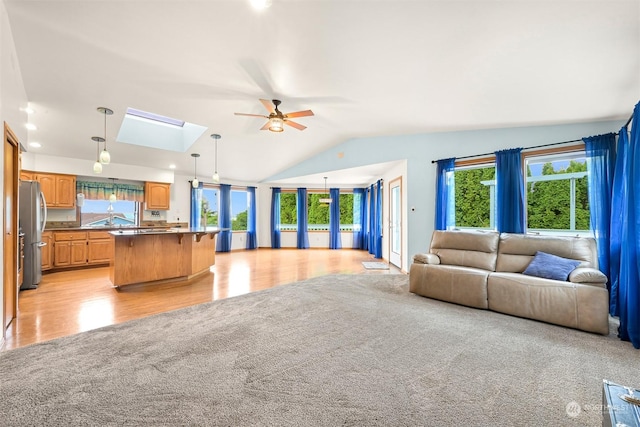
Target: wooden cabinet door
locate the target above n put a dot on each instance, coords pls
(157, 195)
(99, 251)
(65, 191)
(48, 188)
(78, 252)
(62, 254)
(26, 176)
(47, 250)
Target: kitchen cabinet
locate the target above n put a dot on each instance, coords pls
(157, 195)
(47, 250)
(99, 247)
(69, 248)
(59, 190)
(26, 176)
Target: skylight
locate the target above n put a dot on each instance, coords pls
(156, 117)
(156, 131)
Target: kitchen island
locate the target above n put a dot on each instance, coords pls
(160, 255)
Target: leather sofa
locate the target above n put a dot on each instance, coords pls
(485, 270)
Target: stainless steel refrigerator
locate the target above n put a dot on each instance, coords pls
(33, 217)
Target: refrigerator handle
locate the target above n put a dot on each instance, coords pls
(44, 211)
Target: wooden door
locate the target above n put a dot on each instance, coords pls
(65, 191)
(78, 252)
(61, 254)
(157, 195)
(48, 188)
(99, 251)
(10, 227)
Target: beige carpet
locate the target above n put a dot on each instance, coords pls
(340, 350)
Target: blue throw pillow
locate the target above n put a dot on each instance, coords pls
(550, 266)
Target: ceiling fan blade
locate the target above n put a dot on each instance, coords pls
(266, 126)
(251, 115)
(295, 125)
(268, 105)
(299, 114)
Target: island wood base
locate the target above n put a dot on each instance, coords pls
(149, 257)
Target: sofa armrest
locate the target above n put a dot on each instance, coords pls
(426, 259)
(588, 276)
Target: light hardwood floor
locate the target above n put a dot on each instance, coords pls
(73, 301)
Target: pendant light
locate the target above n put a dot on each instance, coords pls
(325, 200)
(97, 166)
(195, 183)
(112, 196)
(216, 177)
(105, 157)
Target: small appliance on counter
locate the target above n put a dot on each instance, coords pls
(33, 217)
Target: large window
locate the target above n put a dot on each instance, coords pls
(475, 196)
(209, 207)
(556, 192)
(318, 211)
(288, 211)
(239, 210)
(557, 195)
(102, 213)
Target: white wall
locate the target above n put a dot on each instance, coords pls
(13, 101)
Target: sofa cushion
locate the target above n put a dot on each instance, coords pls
(549, 266)
(476, 249)
(516, 251)
(460, 285)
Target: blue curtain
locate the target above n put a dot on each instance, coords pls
(335, 241)
(196, 203)
(365, 219)
(252, 237)
(510, 204)
(378, 221)
(372, 224)
(275, 217)
(600, 152)
(445, 195)
(619, 195)
(629, 277)
(302, 216)
(359, 218)
(224, 220)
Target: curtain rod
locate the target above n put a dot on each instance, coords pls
(528, 148)
(628, 121)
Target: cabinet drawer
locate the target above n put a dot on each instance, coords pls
(67, 236)
(93, 235)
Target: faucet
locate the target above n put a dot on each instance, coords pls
(110, 210)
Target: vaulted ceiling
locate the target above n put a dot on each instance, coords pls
(366, 68)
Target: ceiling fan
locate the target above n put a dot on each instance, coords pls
(276, 119)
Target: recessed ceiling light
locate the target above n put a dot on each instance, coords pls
(31, 126)
(172, 166)
(260, 4)
(35, 144)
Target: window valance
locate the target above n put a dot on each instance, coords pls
(102, 190)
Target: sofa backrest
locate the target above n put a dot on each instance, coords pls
(516, 251)
(476, 249)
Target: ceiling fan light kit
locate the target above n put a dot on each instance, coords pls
(276, 119)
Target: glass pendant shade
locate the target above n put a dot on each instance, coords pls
(105, 157)
(112, 198)
(276, 124)
(216, 178)
(195, 183)
(97, 167)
